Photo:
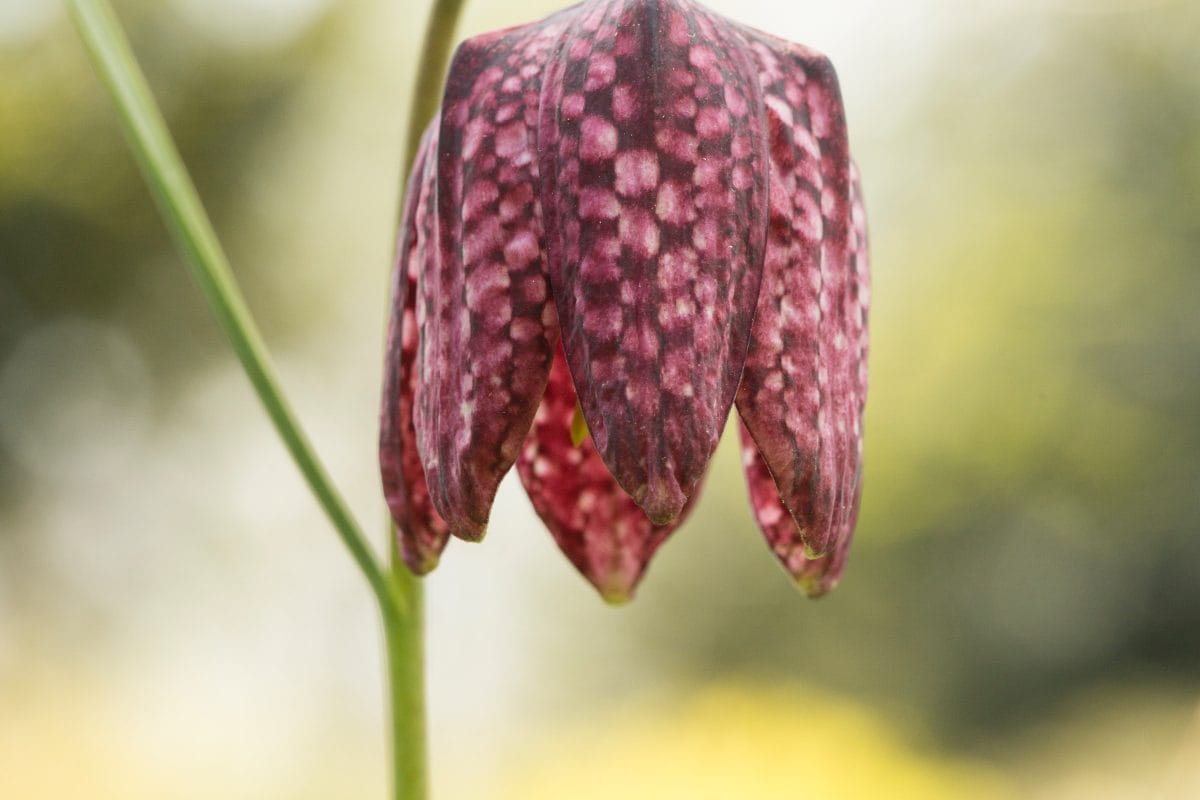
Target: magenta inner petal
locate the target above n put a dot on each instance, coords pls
(815, 575)
(654, 181)
(595, 523)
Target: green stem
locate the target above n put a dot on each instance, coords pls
(192, 230)
(431, 70)
(405, 640)
(397, 591)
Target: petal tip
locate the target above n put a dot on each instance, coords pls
(422, 563)
(816, 586)
(470, 531)
(663, 501)
(419, 554)
(616, 597)
(616, 589)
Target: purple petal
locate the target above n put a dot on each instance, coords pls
(803, 388)
(422, 531)
(653, 162)
(855, 309)
(596, 524)
(486, 319)
(815, 575)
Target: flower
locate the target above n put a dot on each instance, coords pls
(643, 212)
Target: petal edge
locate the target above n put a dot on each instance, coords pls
(799, 393)
(421, 531)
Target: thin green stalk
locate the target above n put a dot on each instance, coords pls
(405, 630)
(398, 592)
(405, 640)
(431, 70)
(192, 230)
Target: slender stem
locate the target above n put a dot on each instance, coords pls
(431, 69)
(192, 230)
(398, 592)
(404, 630)
(405, 638)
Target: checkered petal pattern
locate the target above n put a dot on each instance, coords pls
(644, 213)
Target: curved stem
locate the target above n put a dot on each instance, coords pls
(192, 230)
(398, 592)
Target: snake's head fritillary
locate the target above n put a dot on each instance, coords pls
(643, 212)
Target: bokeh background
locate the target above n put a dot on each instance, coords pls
(1021, 617)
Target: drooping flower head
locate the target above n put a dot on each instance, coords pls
(643, 212)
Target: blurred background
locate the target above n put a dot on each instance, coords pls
(1021, 617)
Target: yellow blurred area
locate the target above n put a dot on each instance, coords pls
(722, 742)
(730, 742)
